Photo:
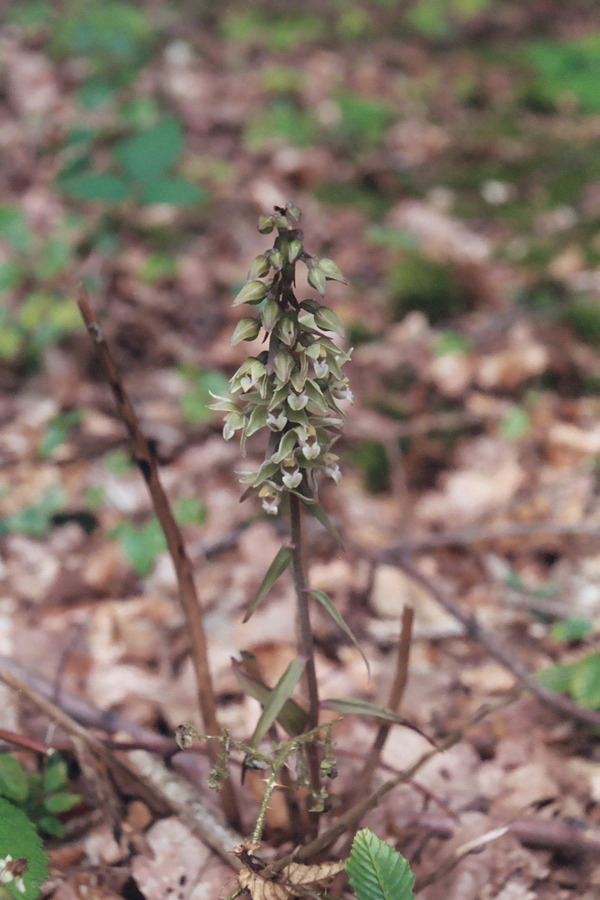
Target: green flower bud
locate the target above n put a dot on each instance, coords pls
(330, 270)
(316, 279)
(295, 248)
(252, 292)
(265, 224)
(245, 330)
(259, 267)
(276, 259)
(328, 321)
(293, 213)
(283, 365)
(286, 331)
(270, 314)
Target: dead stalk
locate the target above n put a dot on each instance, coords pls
(188, 594)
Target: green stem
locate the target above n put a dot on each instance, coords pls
(306, 644)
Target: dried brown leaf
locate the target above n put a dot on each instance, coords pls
(292, 881)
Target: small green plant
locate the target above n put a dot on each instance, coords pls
(42, 797)
(579, 680)
(35, 520)
(141, 171)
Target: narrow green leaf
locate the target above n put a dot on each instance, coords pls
(378, 872)
(291, 717)
(55, 776)
(319, 513)
(339, 620)
(280, 694)
(282, 560)
(352, 706)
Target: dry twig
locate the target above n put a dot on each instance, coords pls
(188, 594)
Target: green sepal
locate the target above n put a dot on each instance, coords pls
(280, 563)
(316, 279)
(246, 330)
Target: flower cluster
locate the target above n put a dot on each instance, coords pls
(294, 386)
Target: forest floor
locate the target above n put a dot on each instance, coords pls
(455, 181)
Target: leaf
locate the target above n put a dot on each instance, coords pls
(337, 617)
(14, 784)
(55, 776)
(279, 695)
(282, 560)
(96, 186)
(351, 706)
(585, 682)
(289, 880)
(177, 191)
(141, 545)
(190, 511)
(20, 841)
(149, 154)
(319, 513)
(291, 716)
(61, 802)
(376, 871)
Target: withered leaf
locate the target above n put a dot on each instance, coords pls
(292, 881)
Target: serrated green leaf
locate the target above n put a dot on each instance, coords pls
(14, 783)
(96, 186)
(149, 154)
(20, 840)
(280, 563)
(378, 872)
(352, 706)
(339, 620)
(291, 717)
(280, 694)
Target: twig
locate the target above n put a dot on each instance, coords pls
(479, 534)
(452, 861)
(188, 594)
(163, 791)
(306, 644)
(499, 651)
(395, 698)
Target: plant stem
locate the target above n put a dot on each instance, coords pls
(305, 636)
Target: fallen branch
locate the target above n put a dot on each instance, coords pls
(498, 650)
(188, 594)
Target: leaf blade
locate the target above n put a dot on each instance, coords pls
(376, 871)
(339, 620)
(277, 698)
(282, 559)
